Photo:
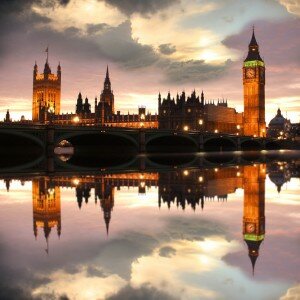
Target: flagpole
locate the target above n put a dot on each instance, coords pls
(47, 51)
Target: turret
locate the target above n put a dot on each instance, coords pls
(79, 105)
(59, 71)
(87, 106)
(35, 71)
(159, 100)
(7, 117)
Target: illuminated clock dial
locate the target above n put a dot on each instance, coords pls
(250, 73)
(250, 227)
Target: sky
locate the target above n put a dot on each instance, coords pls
(150, 46)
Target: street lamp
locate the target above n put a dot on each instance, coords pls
(76, 119)
(185, 128)
(200, 122)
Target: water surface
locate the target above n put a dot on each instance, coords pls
(188, 233)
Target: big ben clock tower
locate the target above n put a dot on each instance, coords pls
(254, 91)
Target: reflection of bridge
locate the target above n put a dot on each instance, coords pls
(140, 140)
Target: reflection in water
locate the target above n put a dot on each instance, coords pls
(194, 188)
(46, 207)
(254, 209)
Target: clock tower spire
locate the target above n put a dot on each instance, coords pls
(254, 91)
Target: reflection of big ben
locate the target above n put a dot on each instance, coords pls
(46, 207)
(254, 209)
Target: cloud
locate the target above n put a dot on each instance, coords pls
(292, 293)
(194, 71)
(141, 293)
(96, 28)
(167, 49)
(292, 6)
(167, 251)
(143, 7)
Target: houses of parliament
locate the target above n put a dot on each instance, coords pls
(184, 112)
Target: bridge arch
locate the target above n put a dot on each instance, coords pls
(71, 136)
(272, 145)
(171, 143)
(8, 134)
(251, 144)
(219, 144)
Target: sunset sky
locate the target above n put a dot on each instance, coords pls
(150, 46)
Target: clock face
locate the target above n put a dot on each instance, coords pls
(250, 228)
(250, 73)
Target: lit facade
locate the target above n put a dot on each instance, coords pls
(181, 113)
(104, 113)
(195, 113)
(46, 92)
(254, 91)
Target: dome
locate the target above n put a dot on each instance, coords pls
(278, 120)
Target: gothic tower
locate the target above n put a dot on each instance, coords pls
(254, 91)
(107, 96)
(254, 209)
(46, 91)
(46, 207)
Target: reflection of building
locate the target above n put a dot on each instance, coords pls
(46, 92)
(104, 188)
(106, 196)
(254, 209)
(194, 187)
(46, 207)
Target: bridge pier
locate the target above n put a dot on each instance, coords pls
(142, 141)
(239, 144)
(49, 148)
(201, 143)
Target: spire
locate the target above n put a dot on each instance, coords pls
(253, 247)
(107, 220)
(253, 41)
(253, 52)
(107, 73)
(107, 84)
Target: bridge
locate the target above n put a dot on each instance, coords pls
(118, 140)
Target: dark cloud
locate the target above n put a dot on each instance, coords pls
(94, 271)
(167, 49)
(96, 28)
(142, 293)
(143, 7)
(118, 45)
(194, 71)
(167, 251)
